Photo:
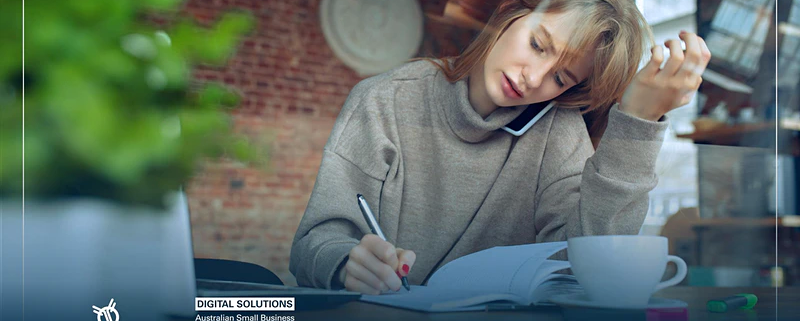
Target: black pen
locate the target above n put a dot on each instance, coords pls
(376, 229)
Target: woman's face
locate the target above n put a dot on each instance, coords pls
(520, 68)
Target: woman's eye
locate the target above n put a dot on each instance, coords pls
(536, 45)
(559, 82)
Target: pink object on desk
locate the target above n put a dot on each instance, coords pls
(667, 314)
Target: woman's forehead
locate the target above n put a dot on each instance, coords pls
(558, 29)
(558, 25)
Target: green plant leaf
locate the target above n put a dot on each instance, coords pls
(111, 110)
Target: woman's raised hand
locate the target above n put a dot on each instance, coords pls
(654, 90)
(375, 265)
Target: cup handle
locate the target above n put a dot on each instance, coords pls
(679, 276)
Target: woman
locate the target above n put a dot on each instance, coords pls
(423, 143)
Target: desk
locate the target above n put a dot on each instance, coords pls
(788, 304)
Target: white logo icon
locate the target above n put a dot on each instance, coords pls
(104, 314)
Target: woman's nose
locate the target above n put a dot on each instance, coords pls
(533, 78)
(534, 75)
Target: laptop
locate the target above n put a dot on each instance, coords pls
(181, 286)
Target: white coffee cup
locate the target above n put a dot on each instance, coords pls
(622, 271)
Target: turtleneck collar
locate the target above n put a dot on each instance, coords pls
(464, 121)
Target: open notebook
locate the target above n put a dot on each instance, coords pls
(519, 274)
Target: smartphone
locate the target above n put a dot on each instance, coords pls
(525, 121)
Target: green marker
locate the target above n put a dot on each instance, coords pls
(744, 301)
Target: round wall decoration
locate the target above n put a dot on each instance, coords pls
(372, 36)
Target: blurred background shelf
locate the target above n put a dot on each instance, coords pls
(728, 134)
(783, 221)
(463, 14)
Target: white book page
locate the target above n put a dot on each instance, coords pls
(493, 270)
(428, 299)
(555, 284)
(469, 282)
(525, 283)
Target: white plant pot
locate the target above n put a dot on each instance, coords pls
(84, 252)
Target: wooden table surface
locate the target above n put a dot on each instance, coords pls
(787, 303)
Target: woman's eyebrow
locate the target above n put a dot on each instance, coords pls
(571, 75)
(549, 40)
(548, 37)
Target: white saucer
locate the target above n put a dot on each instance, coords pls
(581, 300)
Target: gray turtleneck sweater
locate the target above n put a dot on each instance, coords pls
(445, 182)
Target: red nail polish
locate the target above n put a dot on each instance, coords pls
(398, 274)
(405, 268)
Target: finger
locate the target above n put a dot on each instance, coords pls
(704, 52)
(675, 58)
(687, 98)
(407, 259)
(356, 285)
(692, 55)
(376, 266)
(399, 268)
(358, 271)
(652, 68)
(383, 250)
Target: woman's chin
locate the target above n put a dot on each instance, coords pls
(501, 101)
(508, 103)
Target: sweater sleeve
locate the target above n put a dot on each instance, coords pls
(355, 160)
(606, 193)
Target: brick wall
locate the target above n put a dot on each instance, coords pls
(292, 89)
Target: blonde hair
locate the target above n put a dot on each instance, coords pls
(614, 29)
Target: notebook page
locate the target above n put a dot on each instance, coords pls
(524, 283)
(428, 299)
(553, 285)
(527, 287)
(492, 270)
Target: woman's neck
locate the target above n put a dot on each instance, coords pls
(478, 95)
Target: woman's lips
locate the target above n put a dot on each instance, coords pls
(508, 88)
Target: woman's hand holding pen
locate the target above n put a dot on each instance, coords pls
(654, 90)
(375, 265)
